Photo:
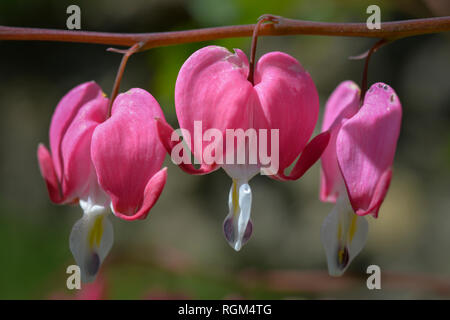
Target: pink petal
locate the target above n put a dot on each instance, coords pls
(152, 192)
(165, 133)
(288, 101)
(49, 174)
(76, 149)
(127, 153)
(366, 146)
(311, 153)
(212, 87)
(378, 195)
(65, 112)
(342, 105)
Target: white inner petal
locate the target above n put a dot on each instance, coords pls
(91, 239)
(94, 194)
(237, 225)
(343, 235)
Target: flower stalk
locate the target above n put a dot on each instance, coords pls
(126, 55)
(261, 20)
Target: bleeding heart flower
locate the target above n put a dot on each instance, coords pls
(212, 89)
(356, 166)
(98, 161)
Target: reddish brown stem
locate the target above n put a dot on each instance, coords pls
(123, 63)
(389, 30)
(261, 20)
(375, 47)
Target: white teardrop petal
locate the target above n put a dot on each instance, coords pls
(237, 225)
(90, 241)
(359, 239)
(343, 236)
(330, 242)
(245, 203)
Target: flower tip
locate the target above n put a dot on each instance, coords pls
(90, 241)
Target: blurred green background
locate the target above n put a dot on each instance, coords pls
(179, 250)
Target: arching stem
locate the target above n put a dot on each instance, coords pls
(126, 55)
(261, 20)
(367, 56)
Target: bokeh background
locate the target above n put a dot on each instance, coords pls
(179, 251)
